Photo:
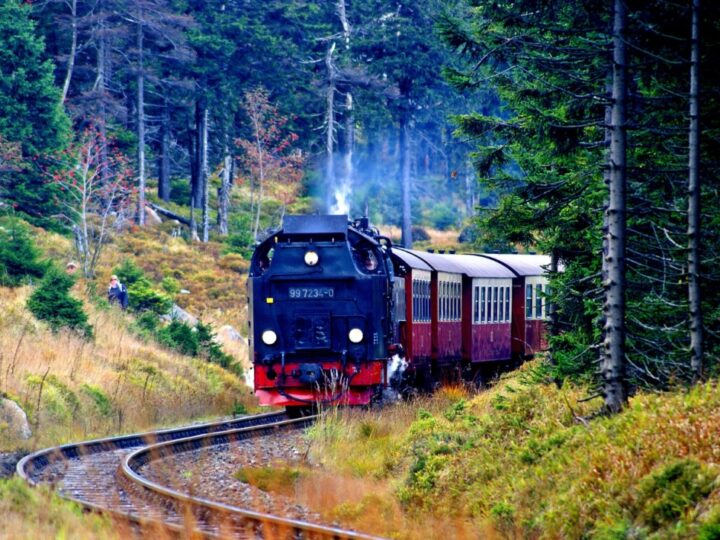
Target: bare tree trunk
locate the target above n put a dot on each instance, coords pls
(100, 88)
(469, 190)
(696, 317)
(261, 174)
(196, 153)
(224, 191)
(204, 176)
(614, 365)
(405, 176)
(342, 14)
(330, 180)
(607, 176)
(164, 161)
(141, 121)
(73, 50)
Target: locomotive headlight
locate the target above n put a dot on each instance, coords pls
(269, 337)
(311, 258)
(355, 335)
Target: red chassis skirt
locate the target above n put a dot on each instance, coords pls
(353, 388)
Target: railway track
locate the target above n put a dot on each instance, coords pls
(105, 475)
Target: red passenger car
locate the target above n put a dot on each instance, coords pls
(529, 310)
(412, 310)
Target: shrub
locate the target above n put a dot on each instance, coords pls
(18, 255)
(170, 285)
(142, 296)
(51, 302)
(128, 272)
(666, 493)
(99, 398)
(180, 337)
(197, 341)
(419, 234)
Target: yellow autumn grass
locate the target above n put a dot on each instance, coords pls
(523, 460)
(74, 389)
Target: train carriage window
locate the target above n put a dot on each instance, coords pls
(494, 304)
(426, 301)
(440, 300)
(446, 303)
(415, 299)
(482, 305)
(421, 297)
(538, 301)
(548, 292)
(458, 301)
(507, 304)
(528, 301)
(501, 304)
(476, 304)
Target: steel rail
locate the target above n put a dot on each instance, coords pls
(35, 463)
(30, 467)
(243, 519)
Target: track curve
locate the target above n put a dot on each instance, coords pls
(234, 520)
(101, 475)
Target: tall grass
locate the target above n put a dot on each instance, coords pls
(524, 460)
(115, 383)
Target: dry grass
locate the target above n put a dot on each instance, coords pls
(521, 461)
(38, 513)
(116, 383)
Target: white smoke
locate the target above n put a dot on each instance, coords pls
(395, 370)
(341, 198)
(249, 376)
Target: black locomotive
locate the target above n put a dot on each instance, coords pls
(320, 296)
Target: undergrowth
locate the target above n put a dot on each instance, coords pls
(530, 460)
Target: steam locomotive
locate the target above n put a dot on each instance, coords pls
(337, 314)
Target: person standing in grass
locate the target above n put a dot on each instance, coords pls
(117, 293)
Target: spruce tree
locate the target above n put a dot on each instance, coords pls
(30, 110)
(51, 302)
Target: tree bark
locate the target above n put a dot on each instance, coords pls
(261, 172)
(73, 50)
(169, 214)
(195, 159)
(330, 180)
(614, 367)
(141, 121)
(224, 191)
(164, 159)
(205, 176)
(405, 179)
(693, 231)
(606, 203)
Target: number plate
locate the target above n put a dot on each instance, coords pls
(310, 293)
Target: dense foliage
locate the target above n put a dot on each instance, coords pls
(19, 258)
(546, 155)
(51, 302)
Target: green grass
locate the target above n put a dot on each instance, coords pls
(528, 460)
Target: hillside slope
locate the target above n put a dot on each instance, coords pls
(525, 459)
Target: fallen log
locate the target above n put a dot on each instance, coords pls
(169, 214)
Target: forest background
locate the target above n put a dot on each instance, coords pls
(579, 129)
(587, 130)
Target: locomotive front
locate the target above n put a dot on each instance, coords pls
(320, 312)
